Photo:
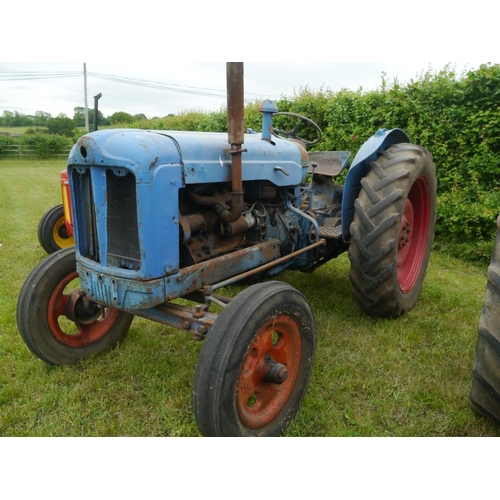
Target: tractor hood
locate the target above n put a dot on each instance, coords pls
(204, 157)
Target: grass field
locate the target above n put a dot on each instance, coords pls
(371, 377)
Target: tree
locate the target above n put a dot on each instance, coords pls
(79, 116)
(7, 119)
(121, 117)
(61, 126)
(41, 118)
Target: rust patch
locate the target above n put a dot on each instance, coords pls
(153, 163)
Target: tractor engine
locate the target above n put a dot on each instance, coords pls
(204, 235)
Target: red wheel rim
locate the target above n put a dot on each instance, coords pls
(413, 234)
(71, 332)
(269, 372)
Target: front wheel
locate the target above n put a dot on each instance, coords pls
(255, 365)
(56, 320)
(52, 232)
(393, 230)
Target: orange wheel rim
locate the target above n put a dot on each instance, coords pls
(269, 371)
(83, 329)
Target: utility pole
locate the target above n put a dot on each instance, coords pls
(85, 92)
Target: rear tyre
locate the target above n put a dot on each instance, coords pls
(393, 230)
(52, 232)
(255, 364)
(56, 320)
(485, 393)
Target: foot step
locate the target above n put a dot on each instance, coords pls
(330, 232)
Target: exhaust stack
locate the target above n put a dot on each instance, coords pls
(236, 131)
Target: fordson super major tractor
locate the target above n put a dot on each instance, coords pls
(164, 215)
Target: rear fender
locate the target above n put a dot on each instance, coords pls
(360, 166)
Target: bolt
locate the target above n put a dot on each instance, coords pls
(199, 311)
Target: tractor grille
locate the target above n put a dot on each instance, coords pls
(85, 209)
(123, 235)
(120, 235)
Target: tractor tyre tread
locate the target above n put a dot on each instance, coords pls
(485, 392)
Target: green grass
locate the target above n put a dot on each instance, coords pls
(371, 377)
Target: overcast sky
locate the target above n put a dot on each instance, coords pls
(174, 87)
(157, 43)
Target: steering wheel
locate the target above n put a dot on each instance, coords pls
(292, 133)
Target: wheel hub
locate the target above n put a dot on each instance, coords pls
(80, 309)
(405, 233)
(73, 319)
(276, 372)
(268, 372)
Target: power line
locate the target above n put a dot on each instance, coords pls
(171, 87)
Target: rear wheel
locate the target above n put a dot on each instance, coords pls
(255, 365)
(52, 232)
(393, 230)
(485, 393)
(57, 321)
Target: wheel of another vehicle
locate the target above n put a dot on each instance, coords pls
(393, 230)
(52, 232)
(57, 321)
(255, 365)
(485, 393)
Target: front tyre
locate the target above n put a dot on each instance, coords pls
(57, 321)
(255, 364)
(393, 230)
(52, 232)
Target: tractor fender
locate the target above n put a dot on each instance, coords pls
(360, 166)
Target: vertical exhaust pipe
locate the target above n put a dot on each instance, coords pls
(96, 110)
(236, 131)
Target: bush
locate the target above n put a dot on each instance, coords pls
(4, 141)
(46, 145)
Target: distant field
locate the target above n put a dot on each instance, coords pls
(371, 377)
(14, 130)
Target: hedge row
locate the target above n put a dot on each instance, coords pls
(44, 145)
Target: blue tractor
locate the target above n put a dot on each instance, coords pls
(166, 215)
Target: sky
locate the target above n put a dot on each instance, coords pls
(175, 87)
(172, 47)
